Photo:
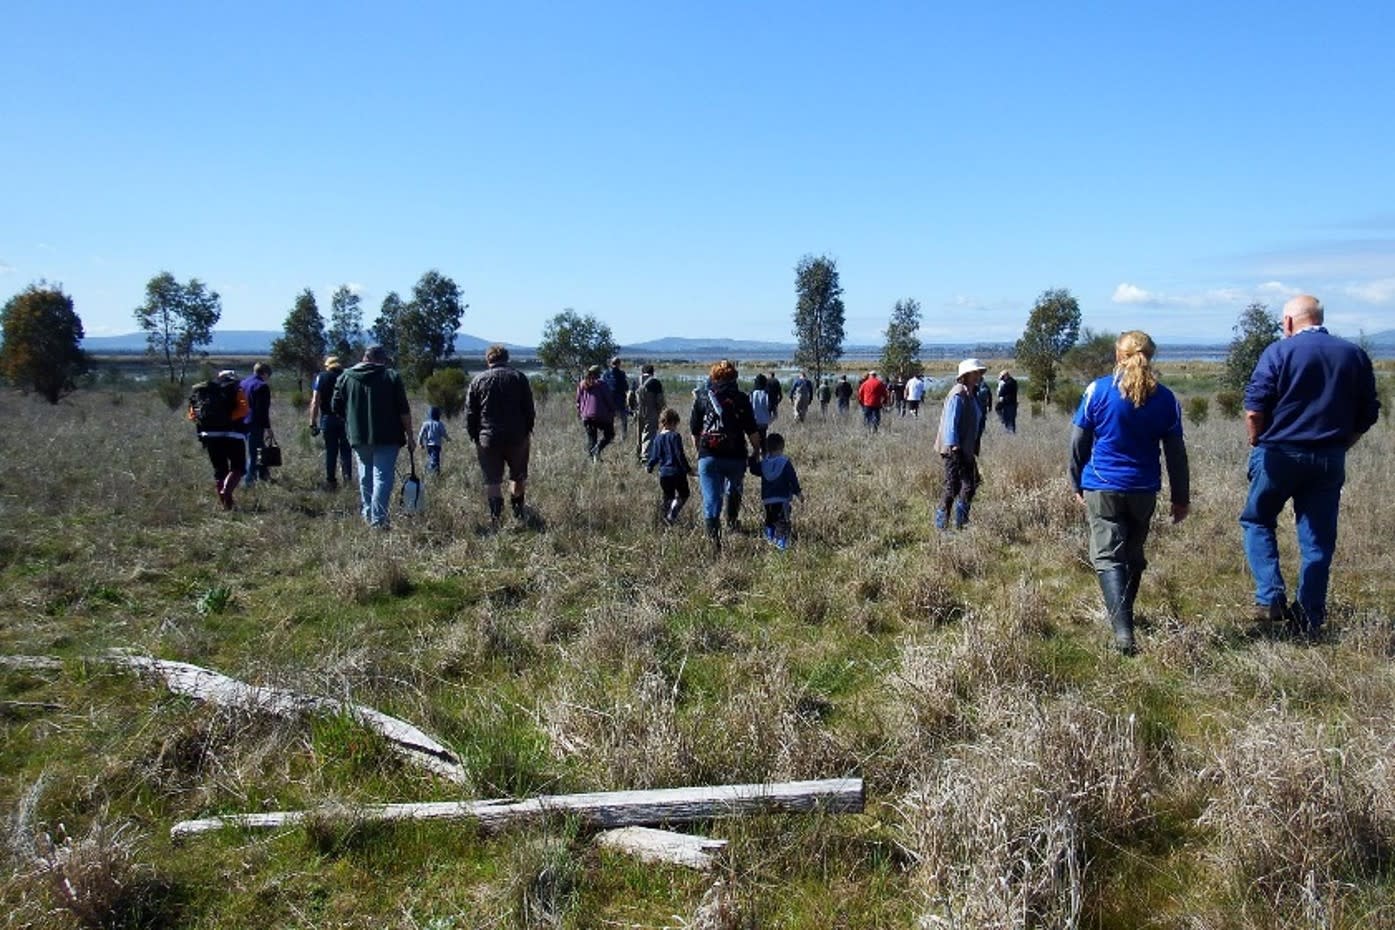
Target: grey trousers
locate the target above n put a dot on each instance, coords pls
(1119, 528)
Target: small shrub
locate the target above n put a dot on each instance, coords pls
(300, 400)
(446, 389)
(1229, 404)
(1067, 397)
(174, 395)
(1198, 409)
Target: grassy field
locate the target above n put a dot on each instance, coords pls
(1019, 772)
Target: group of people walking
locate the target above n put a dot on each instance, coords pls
(1310, 398)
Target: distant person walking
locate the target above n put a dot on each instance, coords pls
(721, 424)
(217, 408)
(760, 404)
(897, 390)
(915, 393)
(328, 424)
(802, 392)
(666, 454)
(499, 417)
(257, 389)
(1007, 400)
(957, 444)
(648, 404)
(983, 394)
(619, 384)
(595, 408)
(872, 395)
(825, 395)
(372, 400)
(1114, 469)
(1310, 398)
(432, 438)
(777, 394)
(843, 390)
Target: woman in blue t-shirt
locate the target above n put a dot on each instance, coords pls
(1115, 470)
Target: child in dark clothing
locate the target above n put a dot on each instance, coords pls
(666, 452)
(778, 486)
(431, 438)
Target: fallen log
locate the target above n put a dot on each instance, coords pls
(30, 663)
(207, 685)
(600, 809)
(665, 846)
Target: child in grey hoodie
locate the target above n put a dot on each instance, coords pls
(779, 484)
(432, 437)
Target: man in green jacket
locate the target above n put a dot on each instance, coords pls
(372, 401)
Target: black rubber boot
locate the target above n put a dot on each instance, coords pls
(1114, 585)
(733, 511)
(520, 513)
(714, 532)
(1131, 591)
(496, 511)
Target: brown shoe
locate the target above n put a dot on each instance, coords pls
(1269, 613)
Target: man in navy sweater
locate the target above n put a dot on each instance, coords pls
(1310, 398)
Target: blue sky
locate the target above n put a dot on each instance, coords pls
(663, 166)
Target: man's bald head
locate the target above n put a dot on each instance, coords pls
(1303, 310)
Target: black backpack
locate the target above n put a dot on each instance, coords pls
(715, 436)
(213, 403)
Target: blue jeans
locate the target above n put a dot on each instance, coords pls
(376, 468)
(433, 458)
(719, 478)
(336, 446)
(1312, 478)
(256, 438)
(872, 418)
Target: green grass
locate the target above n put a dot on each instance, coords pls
(958, 675)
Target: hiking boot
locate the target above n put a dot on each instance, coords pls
(331, 485)
(1269, 613)
(1114, 584)
(713, 525)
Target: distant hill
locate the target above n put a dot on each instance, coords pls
(1383, 340)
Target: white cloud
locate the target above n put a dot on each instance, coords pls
(1132, 294)
(6, 268)
(1379, 291)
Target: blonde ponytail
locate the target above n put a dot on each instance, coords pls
(1133, 372)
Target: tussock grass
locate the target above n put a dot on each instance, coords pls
(1019, 773)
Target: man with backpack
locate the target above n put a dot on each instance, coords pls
(217, 409)
(330, 426)
(257, 389)
(372, 400)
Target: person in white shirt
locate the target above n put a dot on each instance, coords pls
(915, 393)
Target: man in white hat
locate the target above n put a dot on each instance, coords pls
(957, 444)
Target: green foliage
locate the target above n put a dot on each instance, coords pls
(1090, 358)
(384, 331)
(344, 337)
(302, 348)
(571, 343)
(1051, 330)
(1198, 409)
(1067, 397)
(901, 353)
(818, 314)
(427, 325)
(172, 393)
(1229, 404)
(446, 389)
(42, 349)
(1255, 329)
(178, 321)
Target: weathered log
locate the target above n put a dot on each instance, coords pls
(650, 845)
(30, 663)
(216, 688)
(601, 809)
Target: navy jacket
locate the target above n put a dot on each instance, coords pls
(1314, 389)
(667, 455)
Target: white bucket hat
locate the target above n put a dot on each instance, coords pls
(968, 365)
